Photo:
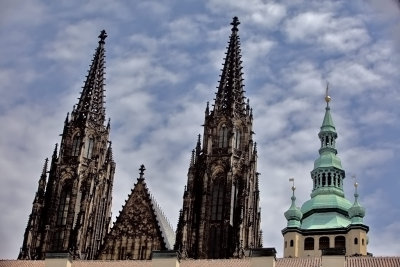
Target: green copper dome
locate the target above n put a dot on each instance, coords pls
(325, 202)
(293, 214)
(356, 212)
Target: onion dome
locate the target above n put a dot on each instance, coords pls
(293, 214)
(356, 212)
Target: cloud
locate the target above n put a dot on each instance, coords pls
(266, 14)
(330, 32)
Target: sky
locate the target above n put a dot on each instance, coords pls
(163, 61)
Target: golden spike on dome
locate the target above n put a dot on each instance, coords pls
(327, 97)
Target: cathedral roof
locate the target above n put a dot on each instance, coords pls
(166, 229)
(141, 216)
(280, 262)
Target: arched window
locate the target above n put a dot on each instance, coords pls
(362, 241)
(340, 242)
(291, 243)
(215, 243)
(76, 145)
(285, 244)
(324, 242)
(217, 201)
(237, 139)
(89, 148)
(309, 243)
(223, 137)
(356, 241)
(62, 211)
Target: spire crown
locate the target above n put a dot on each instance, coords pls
(90, 107)
(235, 23)
(141, 173)
(230, 96)
(103, 35)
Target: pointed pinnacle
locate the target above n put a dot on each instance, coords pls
(102, 36)
(55, 151)
(46, 161)
(235, 23)
(142, 169)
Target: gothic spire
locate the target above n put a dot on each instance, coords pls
(42, 182)
(230, 95)
(90, 106)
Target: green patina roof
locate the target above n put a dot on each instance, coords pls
(326, 201)
(328, 159)
(327, 124)
(293, 214)
(326, 220)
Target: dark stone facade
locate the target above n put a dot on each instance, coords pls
(220, 217)
(72, 207)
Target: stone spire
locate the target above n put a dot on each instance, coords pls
(42, 183)
(230, 96)
(90, 107)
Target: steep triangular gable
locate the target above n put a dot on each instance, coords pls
(137, 231)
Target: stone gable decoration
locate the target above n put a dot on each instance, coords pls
(139, 229)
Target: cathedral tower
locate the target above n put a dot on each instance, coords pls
(220, 217)
(72, 207)
(328, 220)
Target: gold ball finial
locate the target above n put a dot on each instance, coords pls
(327, 99)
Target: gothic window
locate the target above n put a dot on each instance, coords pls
(309, 243)
(215, 242)
(76, 144)
(340, 242)
(89, 148)
(324, 242)
(217, 202)
(59, 239)
(62, 211)
(356, 241)
(291, 243)
(237, 139)
(223, 137)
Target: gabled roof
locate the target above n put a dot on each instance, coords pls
(165, 227)
(141, 213)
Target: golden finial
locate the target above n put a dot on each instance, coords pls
(327, 97)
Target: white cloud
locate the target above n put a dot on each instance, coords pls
(329, 31)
